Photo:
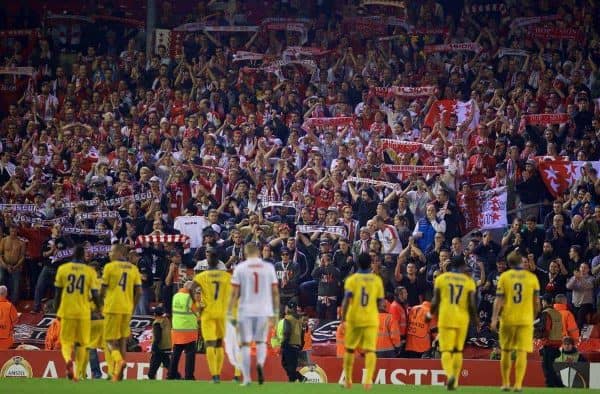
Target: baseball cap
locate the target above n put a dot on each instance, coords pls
(158, 310)
(155, 179)
(548, 298)
(292, 304)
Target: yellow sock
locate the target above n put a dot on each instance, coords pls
(67, 351)
(348, 366)
(237, 372)
(109, 361)
(520, 368)
(370, 361)
(81, 361)
(505, 364)
(211, 359)
(220, 352)
(457, 361)
(447, 364)
(116, 358)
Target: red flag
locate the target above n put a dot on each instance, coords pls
(560, 175)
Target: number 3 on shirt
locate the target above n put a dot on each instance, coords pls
(123, 281)
(364, 297)
(518, 289)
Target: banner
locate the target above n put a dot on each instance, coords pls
(197, 26)
(98, 215)
(465, 46)
(511, 52)
(163, 238)
(464, 110)
(85, 231)
(492, 211)
(403, 91)
(101, 250)
(525, 21)
(309, 229)
(39, 221)
(393, 371)
(370, 181)
(110, 202)
(546, 33)
(245, 55)
(406, 169)
(16, 71)
(269, 204)
(387, 3)
(124, 21)
(18, 208)
(31, 328)
(404, 146)
(304, 51)
(542, 119)
(324, 122)
(483, 210)
(486, 8)
(559, 175)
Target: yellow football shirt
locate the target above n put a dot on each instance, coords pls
(519, 288)
(455, 291)
(216, 290)
(120, 279)
(365, 290)
(77, 281)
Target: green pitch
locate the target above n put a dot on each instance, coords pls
(37, 386)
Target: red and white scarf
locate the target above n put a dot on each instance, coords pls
(163, 238)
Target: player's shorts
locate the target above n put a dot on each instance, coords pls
(97, 334)
(253, 329)
(75, 331)
(452, 339)
(364, 338)
(116, 326)
(212, 329)
(516, 337)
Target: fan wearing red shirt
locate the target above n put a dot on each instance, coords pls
(323, 192)
(480, 165)
(179, 193)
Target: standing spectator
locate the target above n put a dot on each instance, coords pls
(161, 342)
(399, 310)
(8, 319)
(329, 279)
(582, 285)
(12, 257)
(427, 227)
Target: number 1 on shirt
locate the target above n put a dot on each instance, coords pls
(255, 274)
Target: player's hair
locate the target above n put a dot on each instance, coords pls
(514, 258)
(251, 250)
(364, 261)
(560, 299)
(79, 253)
(119, 251)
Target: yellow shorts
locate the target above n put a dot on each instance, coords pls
(75, 331)
(516, 337)
(452, 339)
(364, 338)
(212, 329)
(97, 334)
(116, 326)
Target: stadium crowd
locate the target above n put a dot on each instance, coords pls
(232, 140)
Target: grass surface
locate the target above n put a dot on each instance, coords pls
(62, 386)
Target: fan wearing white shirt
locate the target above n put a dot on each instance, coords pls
(388, 236)
(255, 286)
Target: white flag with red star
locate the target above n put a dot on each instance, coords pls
(492, 213)
(465, 111)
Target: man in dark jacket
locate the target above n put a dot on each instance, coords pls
(328, 278)
(292, 341)
(161, 342)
